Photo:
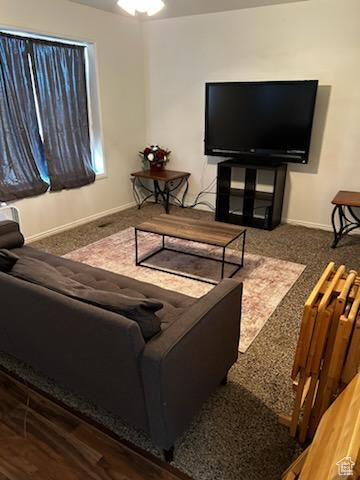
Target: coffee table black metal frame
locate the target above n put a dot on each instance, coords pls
(223, 261)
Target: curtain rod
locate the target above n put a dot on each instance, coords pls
(41, 41)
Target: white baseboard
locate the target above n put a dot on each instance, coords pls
(96, 216)
(77, 223)
(301, 223)
(317, 226)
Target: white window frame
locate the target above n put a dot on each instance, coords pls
(93, 93)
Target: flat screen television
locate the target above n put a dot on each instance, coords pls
(272, 120)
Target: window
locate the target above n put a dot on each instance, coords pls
(49, 126)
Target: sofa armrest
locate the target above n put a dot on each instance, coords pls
(10, 235)
(186, 363)
(86, 349)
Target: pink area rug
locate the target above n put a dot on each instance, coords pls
(266, 280)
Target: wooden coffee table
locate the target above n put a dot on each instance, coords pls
(217, 234)
(348, 220)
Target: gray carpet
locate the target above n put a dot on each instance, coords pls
(236, 434)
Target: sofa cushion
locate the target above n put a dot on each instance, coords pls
(169, 312)
(10, 235)
(174, 303)
(7, 260)
(141, 310)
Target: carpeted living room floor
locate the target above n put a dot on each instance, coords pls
(236, 434)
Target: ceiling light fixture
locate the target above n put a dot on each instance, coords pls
(151, 7)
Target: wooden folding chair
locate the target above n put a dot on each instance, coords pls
(340, 307)
(324, 303)
(309, 337)
(303, 384)
(346, 340)
(352, 363)
(307, 325)
(336, 363)
(324, 323)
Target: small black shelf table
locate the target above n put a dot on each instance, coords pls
(250, 205)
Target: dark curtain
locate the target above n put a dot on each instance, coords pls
(21, 150)
(59, 72)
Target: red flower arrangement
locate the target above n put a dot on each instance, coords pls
(156, 156)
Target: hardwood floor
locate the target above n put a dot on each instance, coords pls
(41, 440)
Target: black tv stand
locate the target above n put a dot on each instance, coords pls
(248, 205)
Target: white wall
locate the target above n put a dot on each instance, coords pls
(310, 39)
(314, 39)
(120, 59)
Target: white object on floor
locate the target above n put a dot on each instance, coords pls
(8, 212)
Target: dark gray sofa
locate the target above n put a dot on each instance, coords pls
(156, 386)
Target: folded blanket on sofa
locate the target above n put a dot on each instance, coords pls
(141, 310)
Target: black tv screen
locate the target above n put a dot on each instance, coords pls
(260, 119)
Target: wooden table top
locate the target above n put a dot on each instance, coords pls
(213, 233)
(350, 199)
(162, 175)
(337, 437)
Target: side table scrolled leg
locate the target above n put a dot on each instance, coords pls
(136, 194)
(337, 235)
(186, 180)
(167, 198)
